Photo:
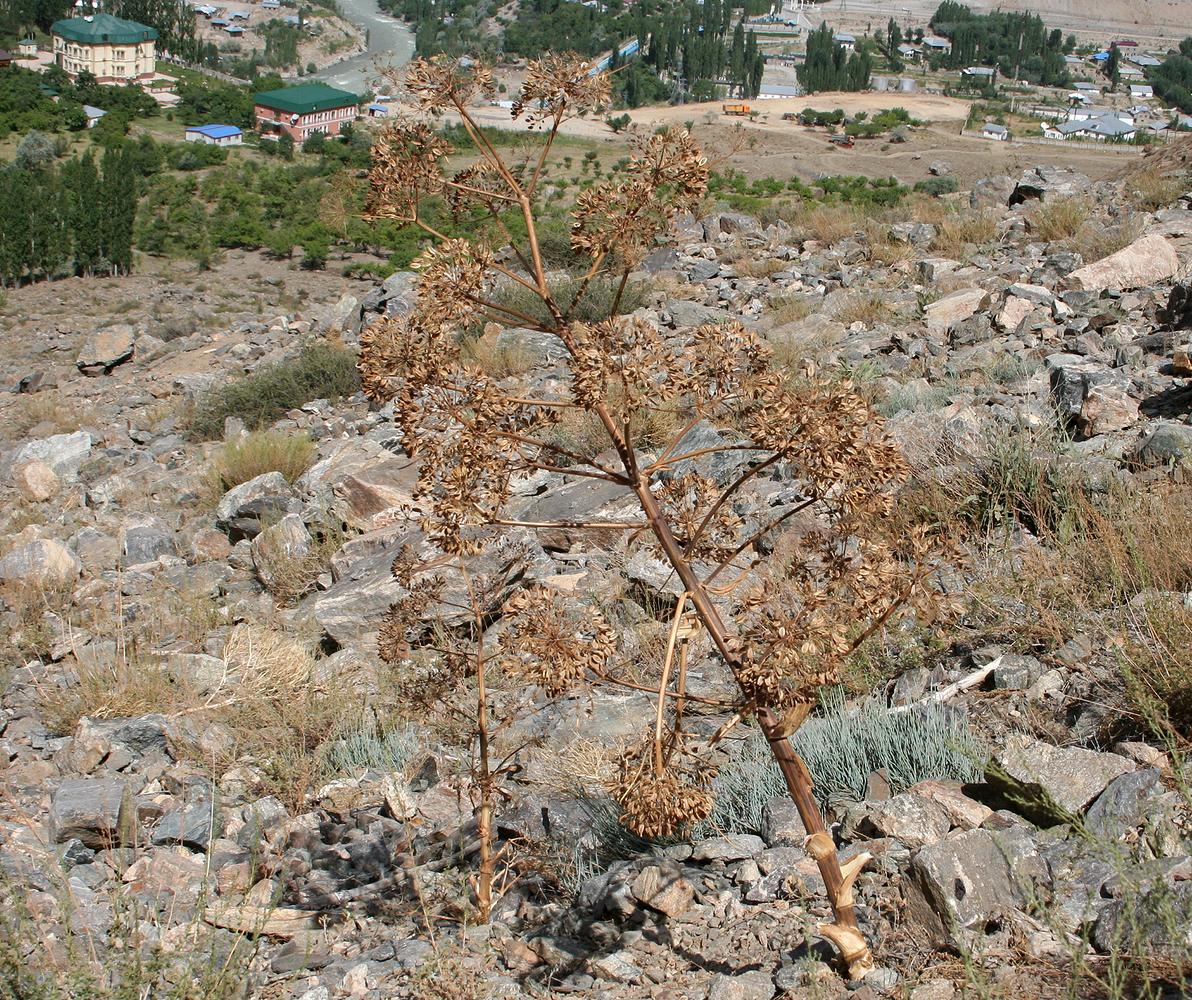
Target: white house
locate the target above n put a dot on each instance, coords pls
(93, 114)
(215, 135)
(1141, 91)
(937, 44)
(845, 41)
(999, 133)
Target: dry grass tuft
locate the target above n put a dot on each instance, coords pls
(1056, 221)
(1093, 242)
(47, 411)
(1151, 188)
(790, 309)
(759, 267)
(960, 230)
(499, 361)
(831, 223)
(867, 308)
(260, 452)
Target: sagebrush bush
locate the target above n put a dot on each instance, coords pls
(319, 371)
(260, 452)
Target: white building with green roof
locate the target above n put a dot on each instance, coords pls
(112, 49)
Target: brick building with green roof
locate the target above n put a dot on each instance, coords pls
(304, 110)
(112, 49)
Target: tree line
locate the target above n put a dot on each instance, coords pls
(76, 218)
(829, 67)
(1018, 44)
(1173, 79)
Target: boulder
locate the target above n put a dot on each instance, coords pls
(1014, 310)
(36, 481)
(106, 349)
(954, 307)
(1146, 261)
(966, 880)
(63, 453)
(195, 825)
(1156, 922)
(238, 501)
(275, 549)
(1072, 776)
(99, 812)
(909, 818)
(1127, 802)
(1166, 444)
(143, 539)
(664, 890)
(41, 562)
(341, 319)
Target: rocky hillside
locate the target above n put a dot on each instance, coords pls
(212, 786)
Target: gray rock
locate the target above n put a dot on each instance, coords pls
(63, 453)
(782, 826)
(268, 485)
(663, 259)
(106, 349)
(1071, 775)
(195, 825)
(340, 319)
(961, 882)
(1126, 803)
(909, 818)
(684, 313)
(1165, 444)
(757, 985)
(143, 539)
(42, 562)
(1155, 922)
(733, 847)
(540, 348)
(663, 889)
(954, 307)
(99, 812)
(1016, 672)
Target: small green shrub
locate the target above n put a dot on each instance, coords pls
(319, 371)
(365, 748)
(936, 186)
(595, 306)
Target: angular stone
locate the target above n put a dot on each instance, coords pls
(733, 847)
(195, 825)
(1016, 672)
(914, 820)
(1127, 802)
(1146, 261)
(106, 349)
(36, 481)
(41, 562)
(265, 486)
(63, 453)
(782, 826)
(99, 812)
(340, 319)
(143, 539)
(1165, 444)
(1155, 921)
(1071, 775)
(275, 549)
(1013, 312)
(961, 882)
(954, 307)
(1106, 408)
(756, 985)
(664, 890)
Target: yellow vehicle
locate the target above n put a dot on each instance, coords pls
(735, 109)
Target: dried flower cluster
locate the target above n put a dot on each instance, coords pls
(791, 627)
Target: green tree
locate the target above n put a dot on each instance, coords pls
(35, 152)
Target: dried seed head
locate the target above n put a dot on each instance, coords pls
(551, 643)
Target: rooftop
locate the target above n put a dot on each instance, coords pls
(214, 131)
(306, 99)
(97, 29)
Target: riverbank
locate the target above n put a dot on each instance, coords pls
(390, 42)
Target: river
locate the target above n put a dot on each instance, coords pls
(389, 41)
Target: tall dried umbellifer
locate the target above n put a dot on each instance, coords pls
(783, 593)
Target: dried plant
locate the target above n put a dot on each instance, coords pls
(782, 624)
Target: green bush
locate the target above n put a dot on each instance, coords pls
(319, 371)
(936, 186)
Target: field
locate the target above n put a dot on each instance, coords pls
(776, 148)
(1149, 22)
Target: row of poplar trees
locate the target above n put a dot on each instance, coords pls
(76, 218)
(829, 67)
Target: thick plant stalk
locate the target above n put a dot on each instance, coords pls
(844, 932)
